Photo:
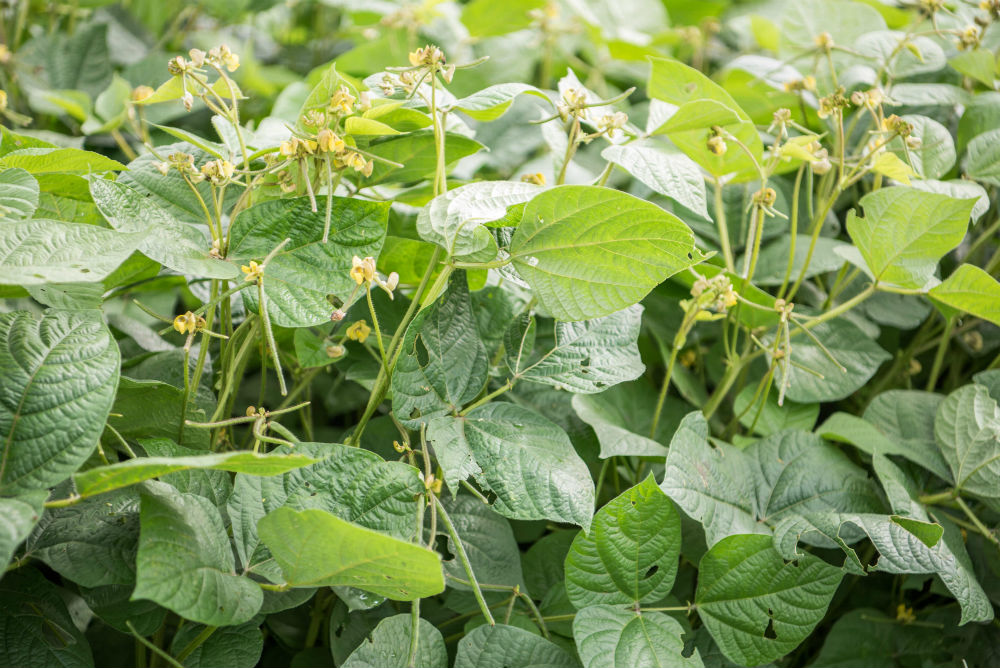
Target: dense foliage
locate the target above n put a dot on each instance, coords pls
(521, 333)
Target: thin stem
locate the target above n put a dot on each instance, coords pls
(942, 350)
(156, 650)
(376, 327)
(464, 559)
(720, 221)
(489, 397)
(983, 529)
(269, 336)
(196, 642)
(793, 231)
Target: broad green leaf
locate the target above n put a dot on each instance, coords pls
(59, 378)
(530, 464)
(354, 484)
(979, 64)
(772, 263)
(230, 646)
(389, 646)
(849, 345)
(36, 629)
(899, 550)
(447, 437)
(588, 251)
(18, 194)
(35, 252)
(757, 606)
(178, 245)
(315, 548)
(358, 126)
(892, 167)
(106, 478)
(485, 18)
(982, 162)
(623, 415)
(443, 363)
(971, 290)
(901, 53)
(455, 219)
(732, 491)
(502, 645)
(959, 189)
(770, 418)
(967, 428)
(905, 232)
(45, 160)
(543, 563)
(299, 278)
(112, 605)
(185, 561)
(489, 543)
(701, 103)
(152, 409)
(630, 554)
(850, 641)
(585, 357)
(492, 102)
(845, 21)
(906, 417)
(666, 171)
(935, 155)
(18, 516)
(609, 635)
(417, 153)
(92, 543)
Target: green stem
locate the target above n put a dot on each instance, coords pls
(793, 231)
(720, 221)
(376, 327)
(942, 350)
(489, 397)
(983, 529)
(464, 559)
(156, 650)
(269, 337)
(196, 642)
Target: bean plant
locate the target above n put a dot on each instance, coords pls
(476, 334)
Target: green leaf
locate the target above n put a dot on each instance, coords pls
(59, 378)
(850, 346)
(530, 464)
(18, 516)
(588, 252)
(489, 543)
(612, 635)
(18, 194)
(666, 171)
(851, 641)
(35, 627)
(443, 363)
(106, 478)
(417, 153)
(845, 21)
(732, 491)
(773, 259)
(772, 417)
(623, 415)
(165, 239)
(978, 64)
(892, 167)
(354, 484)
(185, 561)
(299, 278)
(631, 552)
(315, 548)
(502, 645)
(319, 97)
(492, 102)
(967, 428)
(358, 126)
(35, 252)
(152, 409)
(455, 219)
(971, 290)
(935, 156)
(92, 543)
(230, 646)
(900, 551)
(584, 357)
(905, 232)
(389, 646)
(757, 606)
(485, 18)
(46, 160)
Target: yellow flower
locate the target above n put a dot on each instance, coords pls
(188, 323)
(342, 101)
(140, 93)
(363, 271)
(328, 141)
(254, 271)
(717, 145)
(359, 331)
